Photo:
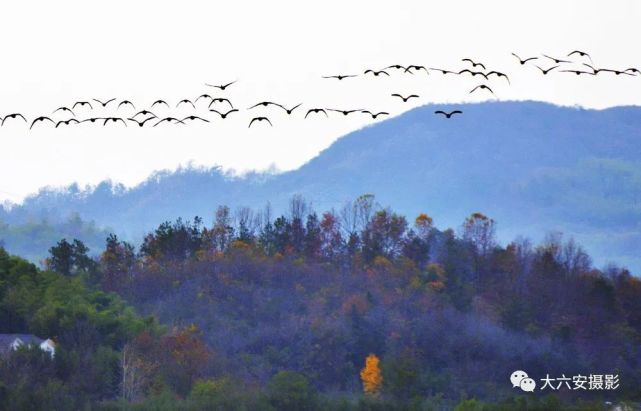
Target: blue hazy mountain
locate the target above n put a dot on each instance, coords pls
(533, 167)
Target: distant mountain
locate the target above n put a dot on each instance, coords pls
(533, 167)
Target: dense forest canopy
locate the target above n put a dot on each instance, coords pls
(355, 308)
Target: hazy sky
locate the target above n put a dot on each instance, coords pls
(55, 53)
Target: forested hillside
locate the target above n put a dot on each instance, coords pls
(359, 308)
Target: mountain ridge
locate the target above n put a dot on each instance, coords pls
(515, 161)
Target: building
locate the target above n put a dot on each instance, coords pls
(11, 342)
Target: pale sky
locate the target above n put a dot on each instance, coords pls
(55, 53)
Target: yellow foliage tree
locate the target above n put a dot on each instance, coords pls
(371, 375)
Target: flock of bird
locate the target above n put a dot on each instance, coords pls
(576, 62)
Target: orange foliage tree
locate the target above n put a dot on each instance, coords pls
(371, 375)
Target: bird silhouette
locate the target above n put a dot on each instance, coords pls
(223, 115)
(473, 73)
(63, 109)
(523, 61)
(578, 72)
(473, 63)
(556, 60)
(416, 68)
(82, 104)
(144, 113)
(92, 120)
(498, 74)
(41, 119)
(222, 86)
(124, 103)
(67, 122)
(376, 73)
(265, 104)
(160, 102)
(169, 119)
(481, 87)
(259, 119)
(204, 96)
(397, 67)
(316, 110)
(104, 104)
(344, 112)
(374, 115)
(289, 111)
(448, 115)
(185, 101)
(405, 98)
(443, 71)
(220, 100)
(192, 118)
(341, 76)
(141, 123)
(546, 71)
(580, 53)
(114, 120)
(12, 116)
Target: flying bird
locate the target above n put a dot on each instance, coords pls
(92, 120)
(265, 104)
(341, 76)
(12, 116)
(397, 67)
(64, 109)
(223, 115)
(82, 104)
(546, 71)
(481, 87)
(498, 74)
(473, 63)
(169, 119)
(344, 112)
(67, 122)
(144, 113)
(191, 118)
(523, 61)
(114, 120)
(448, 115)
(443, 71)
(141, 123)
(556, 60)
(41, 119)
(160, 102)
(417, 68)
(204, 96)
(259, 119)
(220, 100)
(580, 53)
(316, 110)
(374, 115)
(376, 73)
(126, 102)
(578, 72)
(222, 86)
(289, 111)
(104, 104)
(185, 101)
(405, 98)
(473, 73)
